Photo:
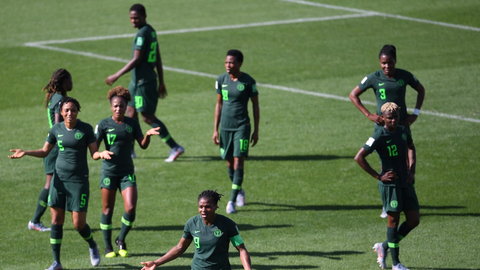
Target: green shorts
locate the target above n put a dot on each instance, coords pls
(396, 199)
(71, 196)
(118, 182)
(49, 160)
(144, 96)
(234, 143)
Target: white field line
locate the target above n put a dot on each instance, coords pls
(364, 13)
(203, 29)
(400, 17)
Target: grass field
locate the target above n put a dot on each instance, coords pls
(309, 205)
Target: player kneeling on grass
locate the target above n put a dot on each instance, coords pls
(211, 234)
(396, 150)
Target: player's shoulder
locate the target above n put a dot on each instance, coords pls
(222, 77)
(245, 77)
(223, 219)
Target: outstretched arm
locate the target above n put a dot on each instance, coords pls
(42, 152)
(144, 141)
(171, 255)
(129, 66)
(244, 257)
(355, 99)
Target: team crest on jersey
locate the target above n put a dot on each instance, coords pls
(217, 233)
(79, 135)
(106, 181)
(401, 82)
(404, 136)
(240, 87)
(128, 129)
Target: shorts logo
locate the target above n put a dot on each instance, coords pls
(106, 181)
(240, 87)
(217, 233)
(79, 135)
(394, 204)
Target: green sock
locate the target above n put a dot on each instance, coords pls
(106, 227)
(230, 173)
(56, 236)
(164, 135)
(41, 206)
(403, 230)
(392, 238)
(237, 184)
(86, 233)
(127, 223)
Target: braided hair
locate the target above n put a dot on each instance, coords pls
(390, 107)
(211, 195)
(388, 50)
(55, 85)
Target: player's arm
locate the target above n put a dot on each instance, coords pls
(355, 99)
(244, 257)
(129, 66)
(256, 119)
(418, 105)
(361, 160)
(412, 162)
(42, 152)
(144, 141)
(216, 118)
(171, 255)
(93, 147)
(162, 89)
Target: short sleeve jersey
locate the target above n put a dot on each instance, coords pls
(53, 107)
(212, 242)
(235, 96)
(146, 42)
(71, 164)
(390, 89)
(392, 148)
(119, 139)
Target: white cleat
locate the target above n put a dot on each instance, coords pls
(175, 153)
(231, 208)
(37, 227)
(399, 267)
(381, 255)
(240, 198)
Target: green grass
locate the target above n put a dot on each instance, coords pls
(309, 205)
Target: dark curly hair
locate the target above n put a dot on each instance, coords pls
(212, 195)
(119, 91)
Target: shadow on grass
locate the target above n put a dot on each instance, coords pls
(258, 158)
(338, 207)
(441, 268)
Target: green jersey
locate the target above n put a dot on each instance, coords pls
(392, 148)
(212, 242)
(390, 89)
(53, 107)
(71, 164)
(119, 139)
(235, 95)
(146, 42)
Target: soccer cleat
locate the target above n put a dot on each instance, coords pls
(110, 253)
(55, 266)
(37, 227)
(175, 153)
(399, 267)
(122, 248)
(381, 255)
(384, 213)
(240, 198)
(94, 256)
(231, 208)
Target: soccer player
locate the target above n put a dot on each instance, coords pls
(143, 84)
(70, 186)
(389, 84)
(56, 89)
(234, 89)
(211, 234)
(394, 145)
(119, 133)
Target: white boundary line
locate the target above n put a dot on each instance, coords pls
(360, 13)
(400, 17)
